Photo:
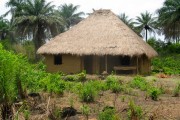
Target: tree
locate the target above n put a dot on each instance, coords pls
(145, 22)
(36, 17)
(126, 20)
(3, 28)
(69, 14)
(169, 19)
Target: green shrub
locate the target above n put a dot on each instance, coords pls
(176, 90)
(85, 110)
(167, 64)
(154, 93)
(52, 83)
(87, 92)
(111, 79)
(139, 82)
(70, 78)
(116, 87)
(113, 84)
(82, 76)
(109, 113)
(134, 112)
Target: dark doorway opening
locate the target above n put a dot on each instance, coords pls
(88, 64)
(126, 61)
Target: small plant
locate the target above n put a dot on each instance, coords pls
(108, 113)
(70, 78)
(82, 76)
(55, 113)
(123, 98)
(116, 87)
(139, 82)
(111, 79)
(26, 114)
(87, 92)
(154, 93)
(71, 101)
(113, 84)
(176, 90)
(135, 112)
(85, 111)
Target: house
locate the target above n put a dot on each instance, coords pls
(101, 42)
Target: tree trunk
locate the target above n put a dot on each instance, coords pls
(146, 35)
(21, 93)
(39, 40)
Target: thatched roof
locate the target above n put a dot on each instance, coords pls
(102, 33)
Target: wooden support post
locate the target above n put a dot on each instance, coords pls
(106, 63)
(137, 66)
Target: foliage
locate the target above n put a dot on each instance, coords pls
(113, 83)
(145, 22)
(82, 76)
(35, 18)
(167, 64)
(108, 113)
(139, 82)
(176, 91)
(85, 110)
(69, 14)
(135, 112)
(88, 92)
(126, 20)
(52, 83)
(168, 18)
(9, 68)
(154, 93)
(4, 26)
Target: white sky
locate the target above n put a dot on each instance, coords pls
(131, 7)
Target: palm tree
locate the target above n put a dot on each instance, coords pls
(126, 20)
(169, 19)
(3, 28)
(36, 17)
(145, 22)
(69, 14)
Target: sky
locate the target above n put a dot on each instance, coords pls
(132, 8)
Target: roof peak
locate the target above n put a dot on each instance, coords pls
(102, 12)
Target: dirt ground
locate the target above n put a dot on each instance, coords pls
(166, 108)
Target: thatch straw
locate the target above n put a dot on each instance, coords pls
(102, 33)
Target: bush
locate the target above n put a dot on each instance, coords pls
(154, 93)
(88, 92)
(135, 112)
(52, 83)
(139, 82)
(82, 76)
(107, 114)
(85, 110)
(167, 64)
(176, 90)
(113, 84)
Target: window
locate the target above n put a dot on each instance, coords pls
(57, 59)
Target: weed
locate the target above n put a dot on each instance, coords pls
(113, 84)
(108, 113)
(154, 93)
(135, 111)
(139, 82)
(123, 98)
(176, 90)
(88, 92)
(85, 111)
(82, 76)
